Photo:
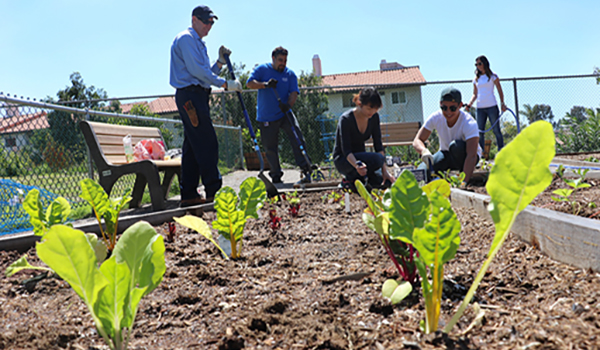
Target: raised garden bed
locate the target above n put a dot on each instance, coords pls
(315, 284)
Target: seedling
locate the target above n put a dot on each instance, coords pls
(455, 181)
(56, 213)
(294, 202)
(104, 208)
(333, 197)
(512, 185)
(232, 213)
(274, 220)
(564, 194)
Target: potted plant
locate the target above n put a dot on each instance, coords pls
(250, 156)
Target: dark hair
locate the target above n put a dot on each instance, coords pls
(279, 51)
(368, 97)
(486, 67)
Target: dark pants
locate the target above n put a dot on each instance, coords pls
(200, 147)
(493, 113)
(453, 158)
(373, 161)
(269, 133)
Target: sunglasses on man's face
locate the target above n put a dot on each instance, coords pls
(208, 22)
(452, 108)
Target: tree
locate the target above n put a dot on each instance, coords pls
(582, 137)
(597, 72)
(576, 116)
(64, 127)
(539, 112)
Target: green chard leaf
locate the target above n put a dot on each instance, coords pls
(33, 207)
(438, 241)
(230, 221)
(22, 264)
(521, 171)
(68, 252)
(409, 209)
(94, 194)
(58, 211)
(197, 224)
(253, 194)
(396, 291)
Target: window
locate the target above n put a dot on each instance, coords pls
(398, 97)
(10, 142)
(347, 100)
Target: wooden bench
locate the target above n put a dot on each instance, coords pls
(397, 134)
(105, 143)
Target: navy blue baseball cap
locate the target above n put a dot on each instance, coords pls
(203, 13)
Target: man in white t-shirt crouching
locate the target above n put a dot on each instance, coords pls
(458, 134)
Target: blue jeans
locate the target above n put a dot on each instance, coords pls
(453, 158)
(482, 115)
(200, 146)
(373, 161)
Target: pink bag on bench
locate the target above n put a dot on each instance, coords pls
(149, 149)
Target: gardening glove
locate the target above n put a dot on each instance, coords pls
(284, 107)
(427, 158)
(272, 83)
(234, 85)
(222, 52)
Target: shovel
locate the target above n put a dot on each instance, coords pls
(271, 189)
(317, 174)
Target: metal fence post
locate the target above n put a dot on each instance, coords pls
(516, 98)
(89, 156)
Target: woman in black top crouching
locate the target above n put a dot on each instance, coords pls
(355, 127)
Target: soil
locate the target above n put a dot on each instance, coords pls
(315, 284)
(584, 202)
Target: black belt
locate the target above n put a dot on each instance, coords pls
(196, 88)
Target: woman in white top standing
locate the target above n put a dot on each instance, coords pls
(487, 107)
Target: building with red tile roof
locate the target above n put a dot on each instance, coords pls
(398, 85)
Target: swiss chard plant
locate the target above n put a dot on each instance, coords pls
(104, 208)
(294, 203)
(421, 218)
(232, 213)
(521, 171)
(564, 194)
(57, 212)
(113, 290)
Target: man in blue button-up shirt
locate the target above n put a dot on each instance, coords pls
(192, 76)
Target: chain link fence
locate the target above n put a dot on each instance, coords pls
(43, 147)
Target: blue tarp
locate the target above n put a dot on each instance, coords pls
(13, 217)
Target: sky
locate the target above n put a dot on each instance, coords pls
(123, 46)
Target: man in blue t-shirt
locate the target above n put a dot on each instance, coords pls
(271, 115)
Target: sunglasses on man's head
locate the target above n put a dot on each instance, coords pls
(452, 108)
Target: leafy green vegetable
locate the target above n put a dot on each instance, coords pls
(520, 173)
(419, 217)
(232, 213)
(22, 264)
(112, 291)
(104, 208)
(200, 226)
(56, 213)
